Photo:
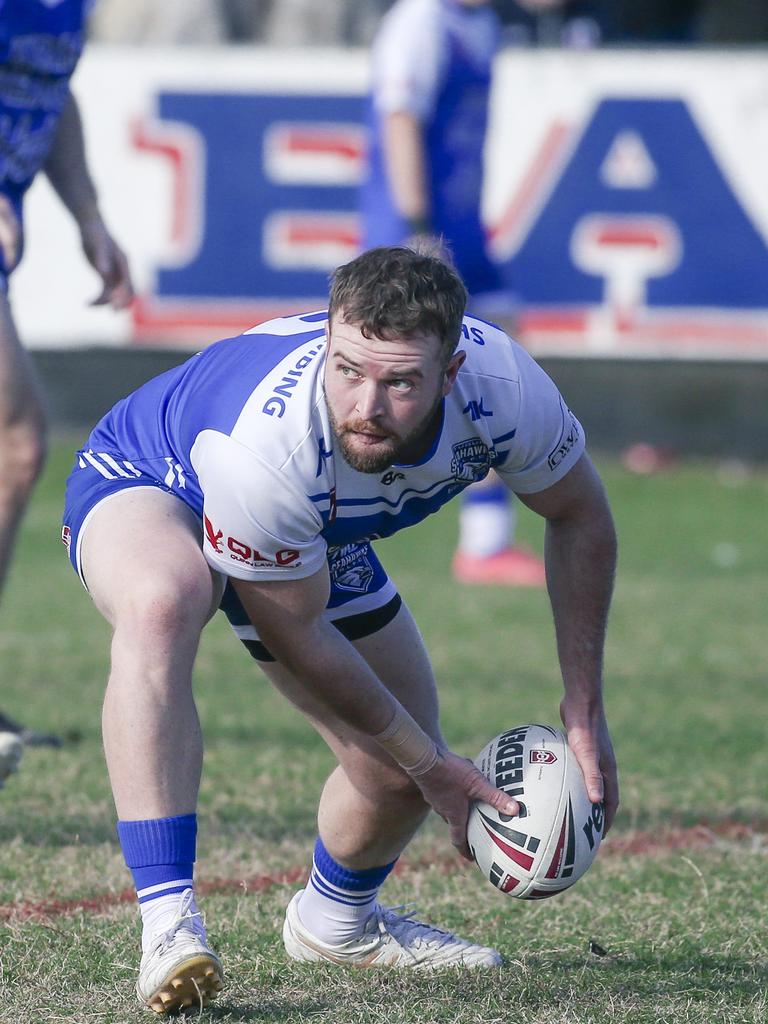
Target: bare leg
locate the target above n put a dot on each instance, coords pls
(370, 809)
(22, 453)
(147, 575)
(22, 433)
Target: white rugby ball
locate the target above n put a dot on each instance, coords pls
(557, 834)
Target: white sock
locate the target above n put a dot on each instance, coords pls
(158, 915)
(486, 527)
(337, 901)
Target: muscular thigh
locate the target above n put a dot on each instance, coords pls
(397, 655)
(139, 550)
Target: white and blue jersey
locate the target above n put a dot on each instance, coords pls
(432, 59)
(40, 45)
(241, 434)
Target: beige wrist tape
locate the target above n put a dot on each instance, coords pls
(408, 744)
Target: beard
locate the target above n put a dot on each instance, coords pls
(374, 456)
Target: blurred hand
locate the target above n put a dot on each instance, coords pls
(109, 262)
(590, 742)
(452, 786)
(10, 235)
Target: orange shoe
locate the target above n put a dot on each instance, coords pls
(512, 567)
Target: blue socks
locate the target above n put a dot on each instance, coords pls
(160, 853)
(338, 901)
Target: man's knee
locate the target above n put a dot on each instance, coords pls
(165, 607)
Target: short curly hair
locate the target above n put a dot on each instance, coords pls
(397, 292)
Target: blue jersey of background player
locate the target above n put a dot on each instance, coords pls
(40, 44)
(431, 80)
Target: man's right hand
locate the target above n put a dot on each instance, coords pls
(452, 786)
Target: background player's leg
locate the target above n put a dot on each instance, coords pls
(22, 432)
(22, 453)
(486, 552)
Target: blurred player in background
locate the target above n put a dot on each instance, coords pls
(40, 44)
(431, 82)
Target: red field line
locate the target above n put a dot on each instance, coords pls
(634, 843)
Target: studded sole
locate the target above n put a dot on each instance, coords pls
(189, 986)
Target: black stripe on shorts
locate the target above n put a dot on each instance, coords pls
(353, 627)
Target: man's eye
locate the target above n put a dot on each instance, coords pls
(348, 372)
(400, 385)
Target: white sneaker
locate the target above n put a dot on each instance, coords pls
(389, 940)
(11, 749)
(180, 971)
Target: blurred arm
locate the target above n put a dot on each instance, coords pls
(67, 169)
(405, 159)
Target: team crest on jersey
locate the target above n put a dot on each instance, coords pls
(350, 569)
(471, 460)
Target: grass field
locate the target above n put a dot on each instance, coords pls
(677, 899)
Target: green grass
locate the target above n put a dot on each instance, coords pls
(684, 929)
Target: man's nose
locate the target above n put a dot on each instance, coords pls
(369, 401)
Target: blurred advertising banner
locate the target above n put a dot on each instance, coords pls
(626, 197)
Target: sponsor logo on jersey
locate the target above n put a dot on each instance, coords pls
(323, 453)
(472, 334)
(568, 439)
(391, 476)
(281, 392)
(471, 460)
(475, 410)
(212, 535)
(239, 551)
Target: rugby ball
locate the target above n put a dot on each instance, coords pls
(557, 834)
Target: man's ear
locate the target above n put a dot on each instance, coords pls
(452, 370)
